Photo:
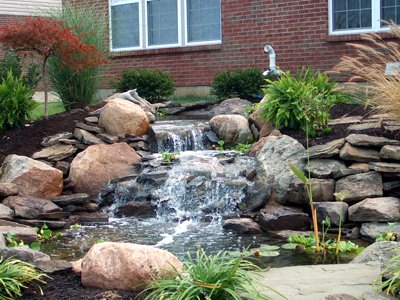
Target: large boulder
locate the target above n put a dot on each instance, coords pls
(126, 266)
(273, 218)
(369, 231)
(33, 178)
(383, 209)
(242, 225)
(120, 117)
(92, 169)
(380, 252)
(234, 106)
(274, 166)
(233, 129)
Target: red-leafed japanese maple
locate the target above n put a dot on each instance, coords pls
(48, 37)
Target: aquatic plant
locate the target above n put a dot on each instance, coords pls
(391, 278)
(168, 157)
(13, 241)
(389, 235)
(45, 234)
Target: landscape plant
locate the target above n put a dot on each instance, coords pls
(45, 234)
(153, 85)
(47, 37)
(388, 236)
(13, 241)
(389, 280)
(369, 65)
(211, 277)
(168, 157)
(15, 102)
(77, 88)
(15, 275)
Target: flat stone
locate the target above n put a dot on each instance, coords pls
(340, 297)
(336, 211)
(327, 150)
(391, 128)
(108, 138)
(8, 189)
(242, 225)
(53, 266)
(55, 216)
(364, 126)
(392, 185)
(6, 212)
(324, 168)
(27, 234)
(26, 212)
(369, 140)
(274, 218)
(285, 234)
(92, 119)
(361, 167)
(361, 186)
(316, 282)
(390, 152)
(381, 116)
(38, 204)
(69, 141)
(63, 166)
(322, 190)
(54, 139)
(383, 209)
(369, 231)
(73, 199)
(90, 128)
(138, 209)
(345, 120)
(52, 224)
(25, 254)
(84, 218)
(55, 153)
(86, 137)
(349, 152)
(384, 167)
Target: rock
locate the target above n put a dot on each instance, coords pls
(336, 211)
(92, 119)
(55, 215)
(361, 167)
(3, 243)
(55, 139)
(63, 166)
(390, 152)
(361, 186)
(349, 152)
(257, 196)
(24, 233)
(26, 213)
(383, 209)
(69, 141)
(384, 167)
(126, 266)
(233, 129)
(322, 190)
(91, 207)
(273, 218)
(55, 153)
(94, 167)
(370, 141)
(274, 166)
(345, 120)
(380, 252)
(8, 189)
(90, 128)
(120, 117)
(256, 147)
(85, 218)
(370, 231)
(32, 177)
(340, 297)
(234, 106)
(6, 212)
(324, 168)
(138, 209)
(53, 266)
(39, 223)
(134, 97)
(389, 186)
(110, 139)
(42, 206)
(25, 254)
(77, 266)
(365, 126)
(242, 225)
(327, 150)
(86, 137)
(176, 110)
(73, 199)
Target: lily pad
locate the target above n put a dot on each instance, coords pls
(268, 253)
(289, 246)
(269, 247)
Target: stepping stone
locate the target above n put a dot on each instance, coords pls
(327, 150)
(73, 199)
(345, 120)
(55, 153)
(361, 186)
(383, 209)
(349, 152)
(370, 141)
(324, 168)
(54, 139)
(364, 126)
(384, 167)
(390, 152)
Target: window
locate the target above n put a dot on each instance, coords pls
(360, 16)
(148, 24)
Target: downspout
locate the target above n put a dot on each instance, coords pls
(272, 61)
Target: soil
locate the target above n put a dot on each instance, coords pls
(26, 140)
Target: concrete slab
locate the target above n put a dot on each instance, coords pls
(316, 282)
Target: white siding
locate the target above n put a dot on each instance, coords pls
(27, 7)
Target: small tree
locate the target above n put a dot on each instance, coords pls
(46, 38)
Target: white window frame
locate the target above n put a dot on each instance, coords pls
(375, 18)
(122, 2)
(143, 30)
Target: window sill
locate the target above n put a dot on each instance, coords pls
(166, 50)
(356, 36)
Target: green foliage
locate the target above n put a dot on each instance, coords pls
(53, 108)
(211, 277)
(241, 148)
(194, 99)
(169, 157)
(250, 109)
(15, 275)
(391, 278)
(12, 62)
(301, 102)
(15, 102)
(389, 236)
(78, 89)
(44, 234)
(242, 83)
(153, 85)
(13, 241)
(163, 112)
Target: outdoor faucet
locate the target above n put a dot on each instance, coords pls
(272, 61)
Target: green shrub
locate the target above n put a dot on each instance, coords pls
(213, 277)
(12, 62)
(153, 85)
(78, 89)
(391, 277)
(242, 83)
(15, 102)
(15, 275)
(301, 102)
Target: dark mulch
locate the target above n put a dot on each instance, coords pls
(67, 285)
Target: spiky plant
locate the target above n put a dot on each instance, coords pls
(369, 64)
